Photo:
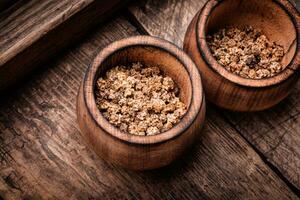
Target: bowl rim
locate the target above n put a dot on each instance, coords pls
(213, 64)
(197, 95)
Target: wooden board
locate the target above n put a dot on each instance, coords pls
(274, 133)
(33, 31)
(43, 156)
(165, 19)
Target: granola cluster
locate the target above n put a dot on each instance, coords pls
(139, 100)
(246, 52)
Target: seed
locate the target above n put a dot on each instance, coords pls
(139, 100)
(253, 56)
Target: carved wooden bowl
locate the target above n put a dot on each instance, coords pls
(279, 21)
(142, 152)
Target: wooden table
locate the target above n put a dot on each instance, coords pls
(238, 156)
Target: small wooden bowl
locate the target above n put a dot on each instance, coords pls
(278, 19)
(142, 152)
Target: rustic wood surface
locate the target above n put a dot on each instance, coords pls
(43, 155)
(273, 133)
(31, 32)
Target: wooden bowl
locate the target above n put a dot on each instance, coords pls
(142, 152)
(279, 21)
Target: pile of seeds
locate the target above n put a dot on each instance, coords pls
(139, 100)
(246, 52)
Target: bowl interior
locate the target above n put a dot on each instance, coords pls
(151, 56)
(148, 51)
(267, 15)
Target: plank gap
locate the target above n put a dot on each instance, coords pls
(135, 22)
(264, 158)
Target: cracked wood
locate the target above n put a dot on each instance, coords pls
(46, 158)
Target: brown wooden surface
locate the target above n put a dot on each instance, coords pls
(33, 31)
(273, 133)
(43, 155)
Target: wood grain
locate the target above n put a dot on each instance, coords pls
(42, 153)
(43, 156)
(275, 133)
(262, 130)
(166, 19)
(33, 31)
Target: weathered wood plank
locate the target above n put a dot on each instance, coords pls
(275, 133)
(167, 19)
(33, 31)
(43, 156)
